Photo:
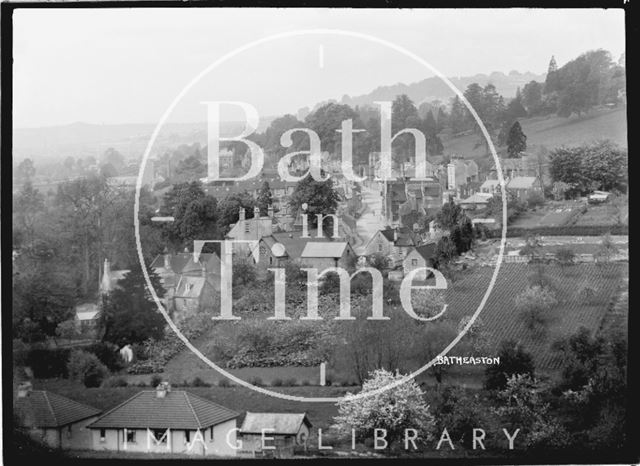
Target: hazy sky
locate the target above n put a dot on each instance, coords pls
(127, 65)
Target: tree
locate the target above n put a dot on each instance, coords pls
(195, 215)
(437, 335)
(26, 170)
(513, 360)
(534, 304)
(606, 250)
(457, 117)
(129, 313)
(532, 97)
(559, 190)
(326, 120)
(516, 141)
(515, 107)
(565, 256)
(532, 248)
(28, 205)
(86, 368)
(552, 83)
(404, 114)
(229, 210)
(445, 252)
(113, 157)
(319, 196)
(265, 199)
(395, 410)
(107, 170)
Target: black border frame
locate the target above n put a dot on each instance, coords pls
(629, 454)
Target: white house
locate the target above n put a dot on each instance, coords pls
(166, 421)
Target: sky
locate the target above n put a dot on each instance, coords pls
(124, 65)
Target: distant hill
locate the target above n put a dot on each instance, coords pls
(435, 89)
(554, 131)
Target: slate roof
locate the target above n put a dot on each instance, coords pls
(177, 410)
(292, 241)
(477, 198)
(279, 423)
(331, 249)
(41, 408)
(405, 236)
(189, 287)
(183, 262)
(427, 251)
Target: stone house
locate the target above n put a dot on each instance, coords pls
(420, 256)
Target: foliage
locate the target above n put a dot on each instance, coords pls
(565, 256)
(48, 363)
(601, 165)
(535, 199)
(534, 304)
(516, 141)
(394, 410)
(86, 368)
(129, 313)
(265, 198)
(459, 413)
(320, 197)
(532, 248)
(513, 360)
(607, 249)
(378, 261)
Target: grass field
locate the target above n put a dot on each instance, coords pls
(554, 131)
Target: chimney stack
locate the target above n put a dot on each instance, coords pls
(24, 389)
(256, 212)
(162, 389)
(242, 214)
(395, 235)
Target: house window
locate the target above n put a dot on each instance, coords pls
(247, 227)
(103, 435)
(187, 436)
(131, 436)
(69, 431)
(211, 434)
(414, 262)
(160, 434)
(379, 247)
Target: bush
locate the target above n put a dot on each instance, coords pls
(291, 382)
(141, 384)
(108, 354)
(256, 381)
(276, 382)
(198, 382)
(513, 360)
(114, 382)
(86, 368)
(535, 200)
(155, 381)
(224, 382)
(48, 363)
(305, 383)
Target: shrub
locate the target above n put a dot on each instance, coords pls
(277, 382)
(141, 384)
(198, 382)
(155, 381)
(224, 382)
(108, 354)
(535, 200)
(513, 360)
(256, 381)
(86, 368)
(291, 382)
(48, 363)
(565, 256)
(113, 382)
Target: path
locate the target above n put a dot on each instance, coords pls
(371, 220)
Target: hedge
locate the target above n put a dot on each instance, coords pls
(48, 363)
(567, 230)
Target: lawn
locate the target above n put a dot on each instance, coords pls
(603, 214)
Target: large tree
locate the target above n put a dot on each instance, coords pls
(129, 313)
(516, 141)
(319, 196)
(265, 198)
(403, 407)
(513, 360)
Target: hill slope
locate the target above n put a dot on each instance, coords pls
(554, 131)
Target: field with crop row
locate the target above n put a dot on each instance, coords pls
(503, 322)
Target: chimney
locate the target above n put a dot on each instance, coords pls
(162, 389)
(270, 211)
(256, 212)
(395, 235)
(167, 261)
(204, 270)
(242, 214)
(24, 389)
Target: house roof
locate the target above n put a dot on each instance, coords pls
(183, 262)
(293, 243)
(277, 423)
(177, 410)
(490, 184)
(323, 249)
(427, 251)
(41, 408)
(405, 236)
(87, 311)
(477, 198)
(522, 182)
